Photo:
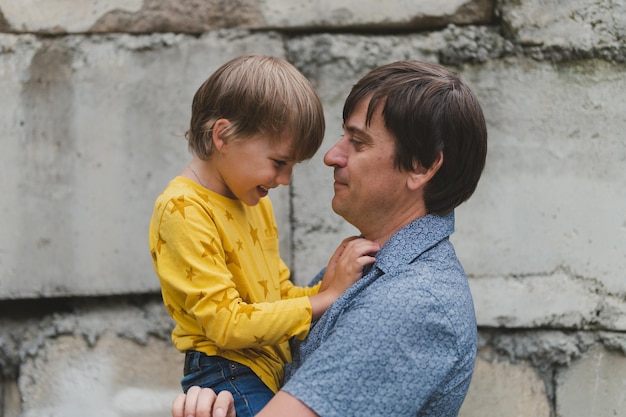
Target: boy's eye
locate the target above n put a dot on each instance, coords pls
(279, 163)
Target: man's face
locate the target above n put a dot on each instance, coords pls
(369, 189)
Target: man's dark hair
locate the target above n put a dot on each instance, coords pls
(429, 110)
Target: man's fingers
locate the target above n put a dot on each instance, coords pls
(191, 401)
(198, 402)
(206, 399)
(178, 406)
(224, 405)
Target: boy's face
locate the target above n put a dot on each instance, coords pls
(249, 168)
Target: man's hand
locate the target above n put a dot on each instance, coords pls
(203, 402)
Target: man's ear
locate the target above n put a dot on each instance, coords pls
(218, 134)
(419, 176)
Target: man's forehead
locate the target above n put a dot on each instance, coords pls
(356, 129)
(358, 124)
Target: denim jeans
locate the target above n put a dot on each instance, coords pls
(219, 374)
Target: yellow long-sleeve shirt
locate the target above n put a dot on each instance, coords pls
(223, 281)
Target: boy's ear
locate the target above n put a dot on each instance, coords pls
(420, 176)
(218, 134)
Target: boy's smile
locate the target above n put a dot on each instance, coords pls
(247, 169)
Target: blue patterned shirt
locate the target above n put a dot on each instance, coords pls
(399, 342)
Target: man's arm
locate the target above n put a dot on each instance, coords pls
(285, 405)
(204, 403)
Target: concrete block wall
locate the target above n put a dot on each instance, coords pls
(95, 96)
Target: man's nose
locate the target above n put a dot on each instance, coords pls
(335, 155)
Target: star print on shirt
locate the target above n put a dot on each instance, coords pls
(190, 273)
(177, 313)
(209, 249)
(263, 283)
(232, 258)
(271, 232)
(160, 242)
(229, 216)
(203, 196)
(180, 205)
(247, 309)
(259, 340)
(222, 304)
(194, 299)
(254, 233)
(170, 309)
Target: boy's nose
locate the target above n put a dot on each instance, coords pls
(284, 177)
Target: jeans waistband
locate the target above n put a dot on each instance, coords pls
(195, 361)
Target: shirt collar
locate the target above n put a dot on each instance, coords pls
(414, 239)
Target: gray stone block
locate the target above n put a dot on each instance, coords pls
(192, 16)
(593, 385)
(93, 131)
(505, 389)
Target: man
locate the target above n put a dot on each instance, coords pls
(402, 340)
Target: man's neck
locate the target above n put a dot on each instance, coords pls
(391, 225)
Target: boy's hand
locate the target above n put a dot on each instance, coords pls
(346, 265)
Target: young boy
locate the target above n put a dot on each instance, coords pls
(213, 235)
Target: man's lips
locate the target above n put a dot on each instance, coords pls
(339, 184)
(340, 181)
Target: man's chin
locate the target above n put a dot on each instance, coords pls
(337, 207)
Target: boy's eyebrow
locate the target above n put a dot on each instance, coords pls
(285, 157)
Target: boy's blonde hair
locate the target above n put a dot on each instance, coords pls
(257, 94)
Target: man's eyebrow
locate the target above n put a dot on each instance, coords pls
(360, 132)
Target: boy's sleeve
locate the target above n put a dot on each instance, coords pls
(199, 292)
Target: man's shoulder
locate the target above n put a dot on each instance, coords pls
(434, 281)
(434, 266)
(426, 235)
